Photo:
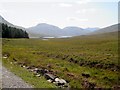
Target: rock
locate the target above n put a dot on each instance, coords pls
(63, 81)
(28, 67)
(49, 80)
(24, 66)
(32, 70)
(43, 71)
(60, 81)
(38, 75)
(35, 69)
(49, 76)
(5, 57)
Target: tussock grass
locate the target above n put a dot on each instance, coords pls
(96, 55)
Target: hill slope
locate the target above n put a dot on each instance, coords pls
(2, 20)
(108, 29)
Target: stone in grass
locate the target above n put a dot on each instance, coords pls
(63, 81)
(24, 66)
(38, 75)
(28, 67)
(60, 81)
(49, 76)
(49, 80)
(5, 57)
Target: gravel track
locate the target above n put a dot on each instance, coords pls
(10, 80)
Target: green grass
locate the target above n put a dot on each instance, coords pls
(87, 50)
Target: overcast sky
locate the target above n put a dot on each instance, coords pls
(62, 13)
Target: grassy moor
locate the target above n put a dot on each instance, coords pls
(89, 61)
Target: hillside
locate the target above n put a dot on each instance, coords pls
(2, 20)
(9, 30)
(108, 29)
(12, 32)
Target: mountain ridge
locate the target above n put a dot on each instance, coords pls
(51, 30)
(46, 30)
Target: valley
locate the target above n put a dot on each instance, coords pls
(91, 59)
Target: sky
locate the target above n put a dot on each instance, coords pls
(61, 13)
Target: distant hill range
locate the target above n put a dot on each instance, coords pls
(47, 30)
(44, 29)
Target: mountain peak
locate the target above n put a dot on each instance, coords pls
(44, 24)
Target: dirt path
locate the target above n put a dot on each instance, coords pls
(9, 80)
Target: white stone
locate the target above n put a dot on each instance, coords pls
(49, 80)
(24, 66)
(63, 81)
(38, 75)
(57, 79)
(4, 57)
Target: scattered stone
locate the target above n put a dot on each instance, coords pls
(24, 66)
(35, 69)
(63, 81)
(57, 79)
(28, 67)
(5, 57)
(49, 76)
(38, 75)
(49, 80)
(60, 81)
(43, 71)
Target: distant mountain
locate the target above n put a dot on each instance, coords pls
(74, 31)
(108, 29)
(92, 29)
(54, 31)
(45, 30)
(2, 20)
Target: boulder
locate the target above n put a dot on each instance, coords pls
(49, 76)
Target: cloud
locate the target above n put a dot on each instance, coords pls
(83, 1)
(86, 10)
(76, 19)
(65, 5)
